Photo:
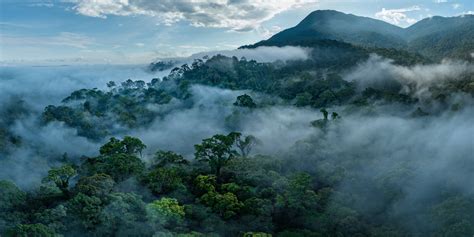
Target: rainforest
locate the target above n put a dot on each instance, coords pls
(340, 126)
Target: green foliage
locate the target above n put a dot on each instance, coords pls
(256, 234)
(30, 230)
(325, 114)
(286, 81)
(216, 151)
(245, 144)
(205, 183)
(86, 211)
(454, 216)
(165, 180)
(164, 211)
(226, 205)
(129, 145)
(60, 177)
(125, 215)
(98, 185)
(245, 101)
(168, 158)
(298, 201)
(119, 166)
(54, 218)
(11, 110)
(264, 195)
(11, 196)
(125, 104)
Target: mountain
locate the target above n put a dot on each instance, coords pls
(334, 25)
(441, 37)
(435, 37)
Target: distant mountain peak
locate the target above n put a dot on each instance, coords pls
(422, 37)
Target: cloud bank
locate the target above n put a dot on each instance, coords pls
(263, 54)
(379, 73)
(237, 15)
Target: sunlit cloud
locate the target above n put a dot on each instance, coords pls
(237, 15)
(397, 16)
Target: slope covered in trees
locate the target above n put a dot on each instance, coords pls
(222, 192)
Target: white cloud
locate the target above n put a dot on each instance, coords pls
(397, 16)
(441, 1)
(237, 15)
(268, 32)
(467, 13)
(139, 44)
(42, 4)
(260, 54)
(456, 5)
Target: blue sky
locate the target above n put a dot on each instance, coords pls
(138, 31)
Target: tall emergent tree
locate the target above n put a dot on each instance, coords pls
(129, 145)
(60, 177)
(245, 101)
(244, 143)
(217, 151)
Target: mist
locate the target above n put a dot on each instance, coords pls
(30, 89)
(420, 158)
(262, 54)
(374, 148)
(378, 72)
(279, 127)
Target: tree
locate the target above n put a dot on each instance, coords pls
(111, 84)
(205, 183)
(33, 230)
(133, 145)
(114, 146)
(60, 177)
(297, 203)
(166, 158)
(217, 151)
(99, 185)
(125, 215)
(226, 205)
(245, 144)
(245, 101)
(325, 113)
(165, 211)
(86, 210)
(10, 196)
(164, 180)
(129, 145)
(118, 166)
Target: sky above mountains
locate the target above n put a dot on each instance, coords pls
(138, 31)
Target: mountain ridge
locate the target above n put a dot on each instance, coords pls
(434, 37)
